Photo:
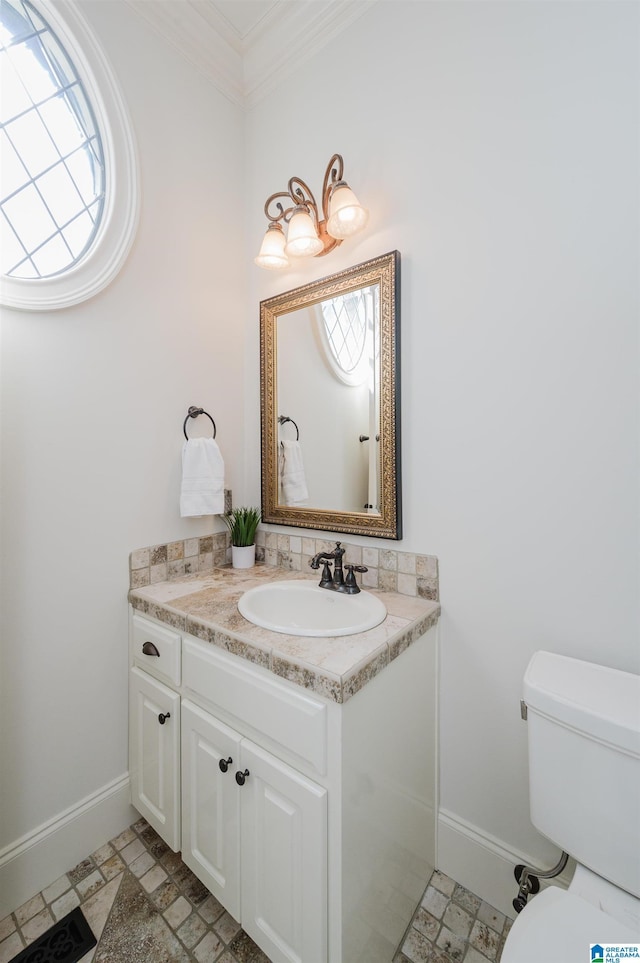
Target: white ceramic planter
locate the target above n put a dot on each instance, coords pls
(243, 556)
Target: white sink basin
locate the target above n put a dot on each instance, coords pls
(303, 608)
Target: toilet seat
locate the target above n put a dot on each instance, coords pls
(558, 926)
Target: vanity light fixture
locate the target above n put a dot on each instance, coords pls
(308, 235)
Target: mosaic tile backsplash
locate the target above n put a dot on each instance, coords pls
(389, 570)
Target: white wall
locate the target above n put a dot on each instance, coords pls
(496, 145)
(93, 401)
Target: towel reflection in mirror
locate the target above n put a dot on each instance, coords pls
(293, 484)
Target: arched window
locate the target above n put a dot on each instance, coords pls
(63, 134)
(52, 158)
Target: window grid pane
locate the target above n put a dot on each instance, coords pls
(54, 210)
(345, 324)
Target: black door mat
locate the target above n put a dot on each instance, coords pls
(66, 941)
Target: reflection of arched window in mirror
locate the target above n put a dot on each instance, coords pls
(345, 328)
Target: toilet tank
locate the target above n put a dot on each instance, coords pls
(584, 763)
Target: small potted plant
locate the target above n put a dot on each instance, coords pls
(242, 524)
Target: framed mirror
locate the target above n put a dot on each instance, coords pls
(330, 402)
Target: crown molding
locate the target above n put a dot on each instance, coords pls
(187, 27)
(283, 46)
(246, 69)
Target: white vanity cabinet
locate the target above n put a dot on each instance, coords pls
(312, 822)
(154, 726)
(255, 832)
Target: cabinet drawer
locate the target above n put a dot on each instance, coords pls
(156, 649)
(294, 720)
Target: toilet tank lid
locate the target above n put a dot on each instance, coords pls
(601, 702)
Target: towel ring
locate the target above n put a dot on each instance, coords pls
(193, 413)
(284, 418)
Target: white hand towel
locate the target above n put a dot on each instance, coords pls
(202, 491)
(292, 480)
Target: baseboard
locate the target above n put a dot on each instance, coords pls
(33, 862)
(482, 863)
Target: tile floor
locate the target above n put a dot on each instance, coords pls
(145, 906)
(453, 924)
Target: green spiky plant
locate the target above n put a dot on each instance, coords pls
(242, 524)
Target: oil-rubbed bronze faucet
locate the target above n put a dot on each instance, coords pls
(337, 582)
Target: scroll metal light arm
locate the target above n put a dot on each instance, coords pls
(309, 234)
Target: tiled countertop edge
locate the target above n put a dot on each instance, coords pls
(336, 688)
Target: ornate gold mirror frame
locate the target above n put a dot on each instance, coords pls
(384, 273)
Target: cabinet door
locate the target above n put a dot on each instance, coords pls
(155, 755)
(210, 804)
(284, 859)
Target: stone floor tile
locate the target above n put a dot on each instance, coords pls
(164, 895)
(211, 910)
(135, 931)
(171, 862)
(112, 867)
(80, 871)
(29, 909)
(65, 904)
(153, 878)
(177, 912)
(57, 888)
(132, 851)
(37, 925)
(97, 908)
(123, 839)
(142, 864)
(192, 930)
(208, 948)
(455, 946)
(10, 947)
(417, 947)
(148, 835)
(489, 915)
(442, 882)
(103, 854)
(484, 939)
(434, 902)
(158, 848)
(466, 899)
(90, 884)
(472, 956)
(7, 925)
(457, 920)
(141, 825)
(244, 950)
(426, 924)
(226, 927)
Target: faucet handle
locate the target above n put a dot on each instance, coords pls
(326, 579)
(350, 581)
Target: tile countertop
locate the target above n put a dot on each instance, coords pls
(205, 606)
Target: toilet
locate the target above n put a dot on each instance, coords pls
(584, 788)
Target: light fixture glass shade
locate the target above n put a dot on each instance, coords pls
(272, 254)
(346, 215)
(302, 236)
